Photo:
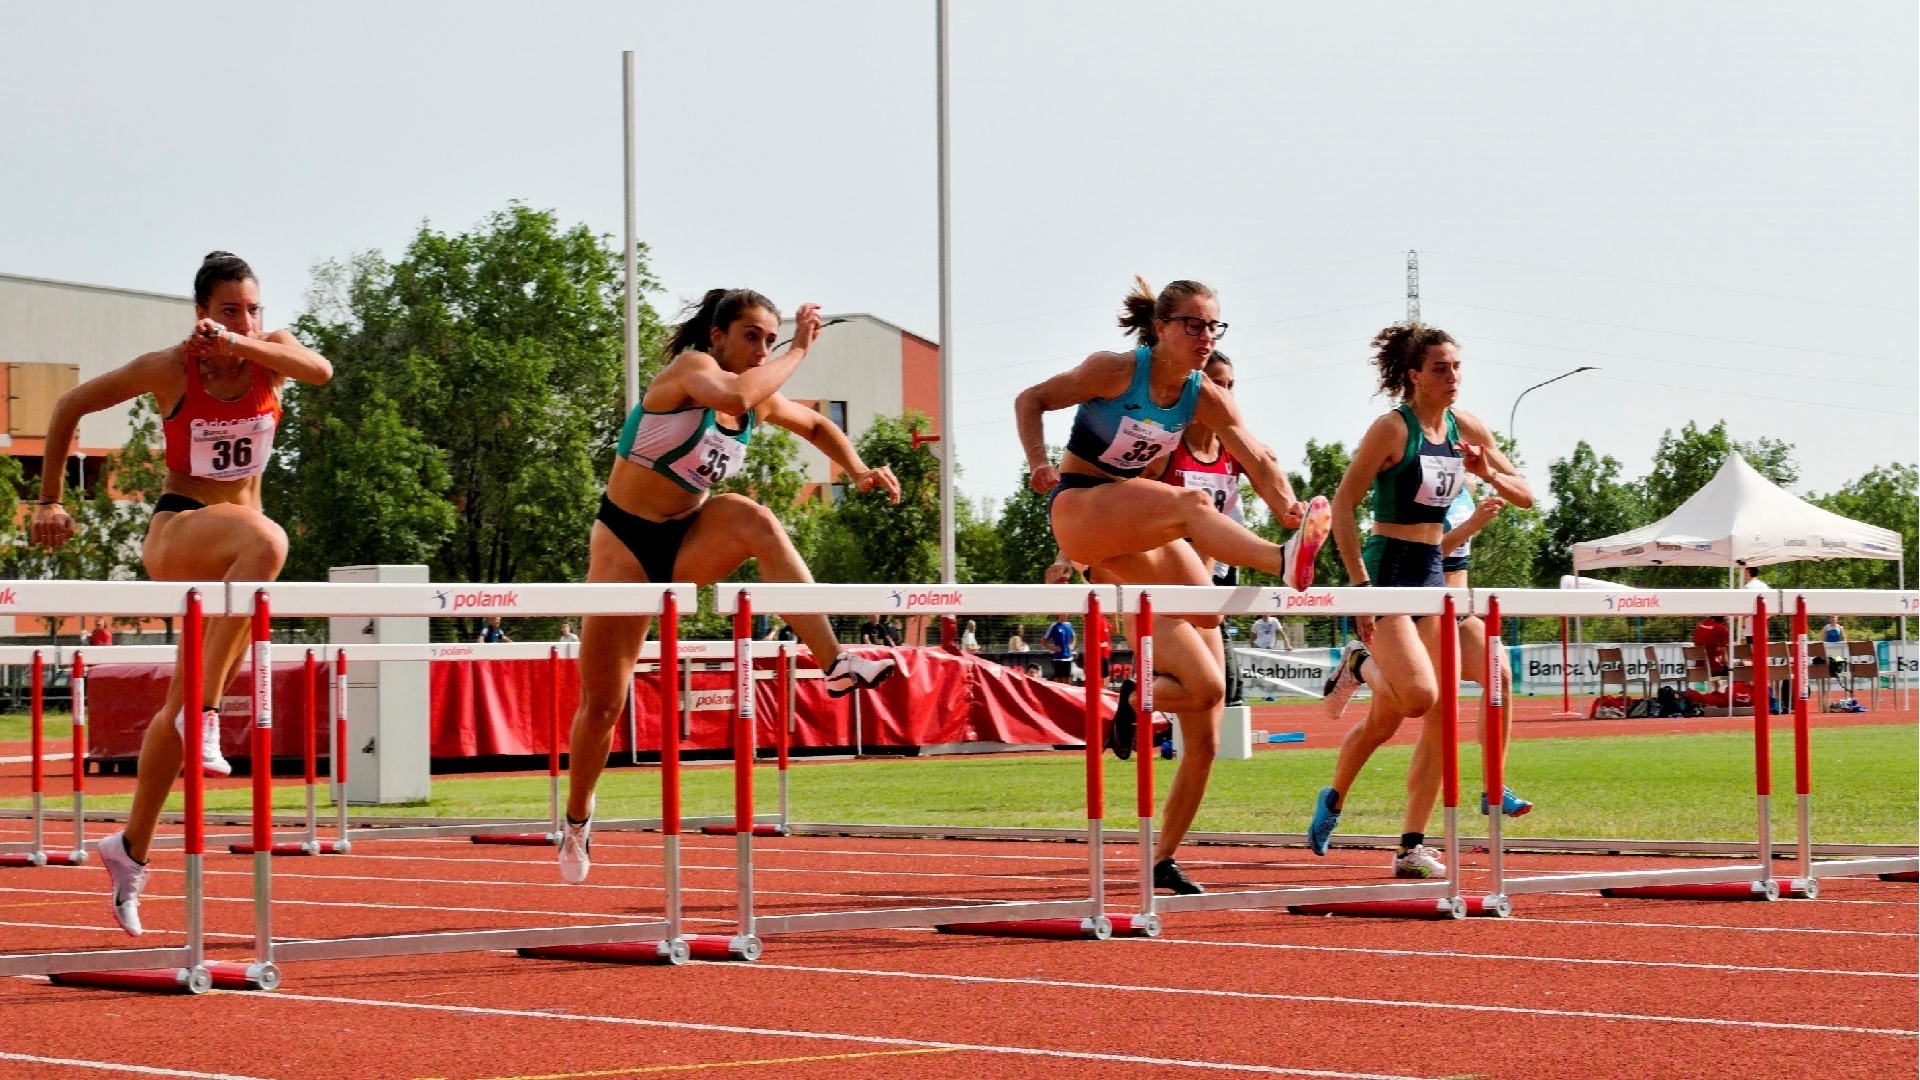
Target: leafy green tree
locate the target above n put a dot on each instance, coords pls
(1027, 546)
(868, 538)
(1505, 551)
(979, 546)
(478, 379)
(1589, 501)
(1683, 463)
(1326, 465)
(1886, 496)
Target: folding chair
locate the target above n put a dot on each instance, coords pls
(1655, 680)
(1863, 662)
(1613, 672)
(1820, 672)
(1739, 672)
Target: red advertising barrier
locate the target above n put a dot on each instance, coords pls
(497, 707)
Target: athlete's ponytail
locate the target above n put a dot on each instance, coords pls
(719, 309)
(1402, 348)
(1141, 311)
(216, 268)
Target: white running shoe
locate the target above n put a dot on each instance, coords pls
(576, 849)
(129, 878)
(1303, 547)
(850, 671)
(1421, 862)
(211, 761)
(1345, 681)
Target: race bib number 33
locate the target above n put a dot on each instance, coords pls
(1136, 443)
(232, 449)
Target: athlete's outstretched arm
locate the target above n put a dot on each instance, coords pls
(1379, 448)
(826, 435)
(147, 375)
(1217, 410)
(1102, 375)
(1483, 458)
(697, 377)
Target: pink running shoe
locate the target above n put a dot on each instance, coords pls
(1303, 547)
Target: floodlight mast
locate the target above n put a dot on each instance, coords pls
(947, 569)
(1413, 287)
(630, 335)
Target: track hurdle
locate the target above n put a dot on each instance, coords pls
(309, 754)
(1076, 918)
(36, 852)
(1755, 881)
(182, 969)
(551, 837)
(1415, 899)
(661, 937)
(1804, 603)
(783, 736)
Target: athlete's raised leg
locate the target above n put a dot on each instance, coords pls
(1096, 524)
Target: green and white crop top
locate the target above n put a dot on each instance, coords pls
(687, 446)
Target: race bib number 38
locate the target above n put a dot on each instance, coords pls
(232, 449)
(714, 458)
(1137, 443)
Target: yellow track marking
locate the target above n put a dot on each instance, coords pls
(639, 1070)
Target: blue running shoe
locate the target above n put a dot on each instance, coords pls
(1325, 820)
(1511, 805)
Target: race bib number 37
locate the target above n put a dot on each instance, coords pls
(1137, 443)
(232, 449)
(1440, 479)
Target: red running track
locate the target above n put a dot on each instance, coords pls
(1574, 986)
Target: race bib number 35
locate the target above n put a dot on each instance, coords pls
(232, 449)
(1137, 443)
(714, 458)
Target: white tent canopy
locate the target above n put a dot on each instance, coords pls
(1740, 518)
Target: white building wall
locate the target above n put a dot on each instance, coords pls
(94, 327)
(858, 362)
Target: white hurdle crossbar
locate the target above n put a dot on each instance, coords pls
(1076, 918)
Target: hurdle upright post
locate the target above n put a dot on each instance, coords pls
(337, 753)
(745, 944)
(39, 710)
(784, 735)
(193, 690)
(1095, 748)
(1493, 746)
(1761, 673)
(262, 767)
(553, 741)
(1450, 740)
(310, 750)
(78, 855)
(670, 759)
(1805, 886)
(1147, 922)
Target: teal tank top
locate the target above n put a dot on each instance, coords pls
(1123, 435)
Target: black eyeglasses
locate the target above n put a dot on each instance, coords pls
(1195, 325)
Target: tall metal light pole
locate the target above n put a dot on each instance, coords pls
(630, 343)
(1516, 401)
(947, 572)
(1413, 287)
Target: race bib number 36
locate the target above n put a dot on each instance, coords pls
(232, 449)
(714, 458)
(1440, 479)
(1137, 443)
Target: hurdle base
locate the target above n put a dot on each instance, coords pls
(1098, 928)
(277, 849)
(524, 839)
(1488, 907)
(745, 947)
(1902, 875)
(1445, 907)
(23, 858)
(1715, 890)
(733, 830)
(626, 952)
(1135, 925)
(66, 858)
(1800, 888)
(219, 975)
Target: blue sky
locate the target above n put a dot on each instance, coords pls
(1715, 203)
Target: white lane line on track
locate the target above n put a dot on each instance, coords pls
(114, 1066)
(758, 868)
(117, 930)
(1454, 954)
(831, 1036)
(1329, 999)
(1703, 926)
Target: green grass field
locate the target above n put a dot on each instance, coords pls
(19, 726)
(1694, 787)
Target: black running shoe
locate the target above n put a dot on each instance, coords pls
(1120, 733)
(1168, 875)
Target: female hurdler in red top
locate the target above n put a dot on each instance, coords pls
(219, 392)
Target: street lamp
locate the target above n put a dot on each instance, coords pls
(1516, 401)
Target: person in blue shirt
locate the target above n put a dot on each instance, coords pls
(1060, 639)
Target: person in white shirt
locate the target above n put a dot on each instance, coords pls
(1269, 633)
(1754, 582)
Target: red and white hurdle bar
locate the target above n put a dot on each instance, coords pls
(1075, 918)
(1419, 900)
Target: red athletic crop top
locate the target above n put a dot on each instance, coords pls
(223, 440)
(1219, 478)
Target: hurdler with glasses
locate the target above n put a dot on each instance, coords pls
(1131, 409)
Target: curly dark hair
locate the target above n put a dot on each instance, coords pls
(1402, 348)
